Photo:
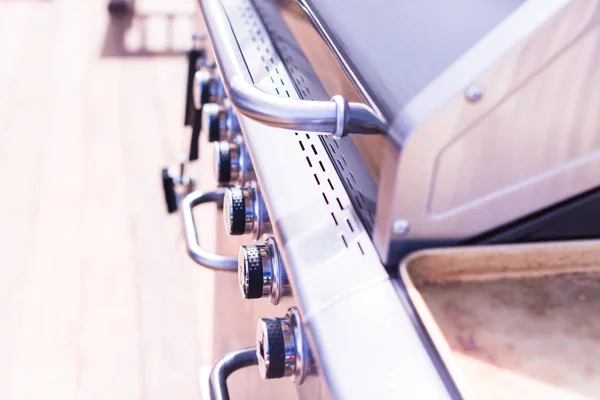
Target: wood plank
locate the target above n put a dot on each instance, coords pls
(97, 296)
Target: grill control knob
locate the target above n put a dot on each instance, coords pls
(244, 212)
(176, 185)
(261, 272)
(220, 121)
(208, 87)
(227, 163)
(281, 347)
(232, 163)
(196, 58)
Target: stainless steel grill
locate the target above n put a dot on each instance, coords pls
(343, 209)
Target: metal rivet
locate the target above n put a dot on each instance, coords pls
(401, 227)
(473, 93)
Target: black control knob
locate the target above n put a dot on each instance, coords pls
(196, 59)
(254, 271)
(238, 211)
(281, 347)
(169, 191)
(202, 81)
(227, 163)
(196, 116)
(244, 212)
(213, 122)
(270, 348)
(220, 121)
(232, 163)
(176, 185)
(208, 87)
(261, 272)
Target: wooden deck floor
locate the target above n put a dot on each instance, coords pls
(97, 297)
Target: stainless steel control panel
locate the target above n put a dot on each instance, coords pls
(343, 294)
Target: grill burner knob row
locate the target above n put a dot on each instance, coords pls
(261, 272)
(220, 121)
(244, 212)
(232, 163)
(281, 347)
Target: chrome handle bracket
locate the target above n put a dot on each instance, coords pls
(196, 252)
(336, 117)
(228, 364)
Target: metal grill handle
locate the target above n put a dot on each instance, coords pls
(336, 117)
(198, 254)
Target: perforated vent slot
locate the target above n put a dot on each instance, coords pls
(342, 215)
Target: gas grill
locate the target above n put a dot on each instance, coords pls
(349, 135)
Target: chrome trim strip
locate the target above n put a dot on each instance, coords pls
(197, 253)
(322, 117)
